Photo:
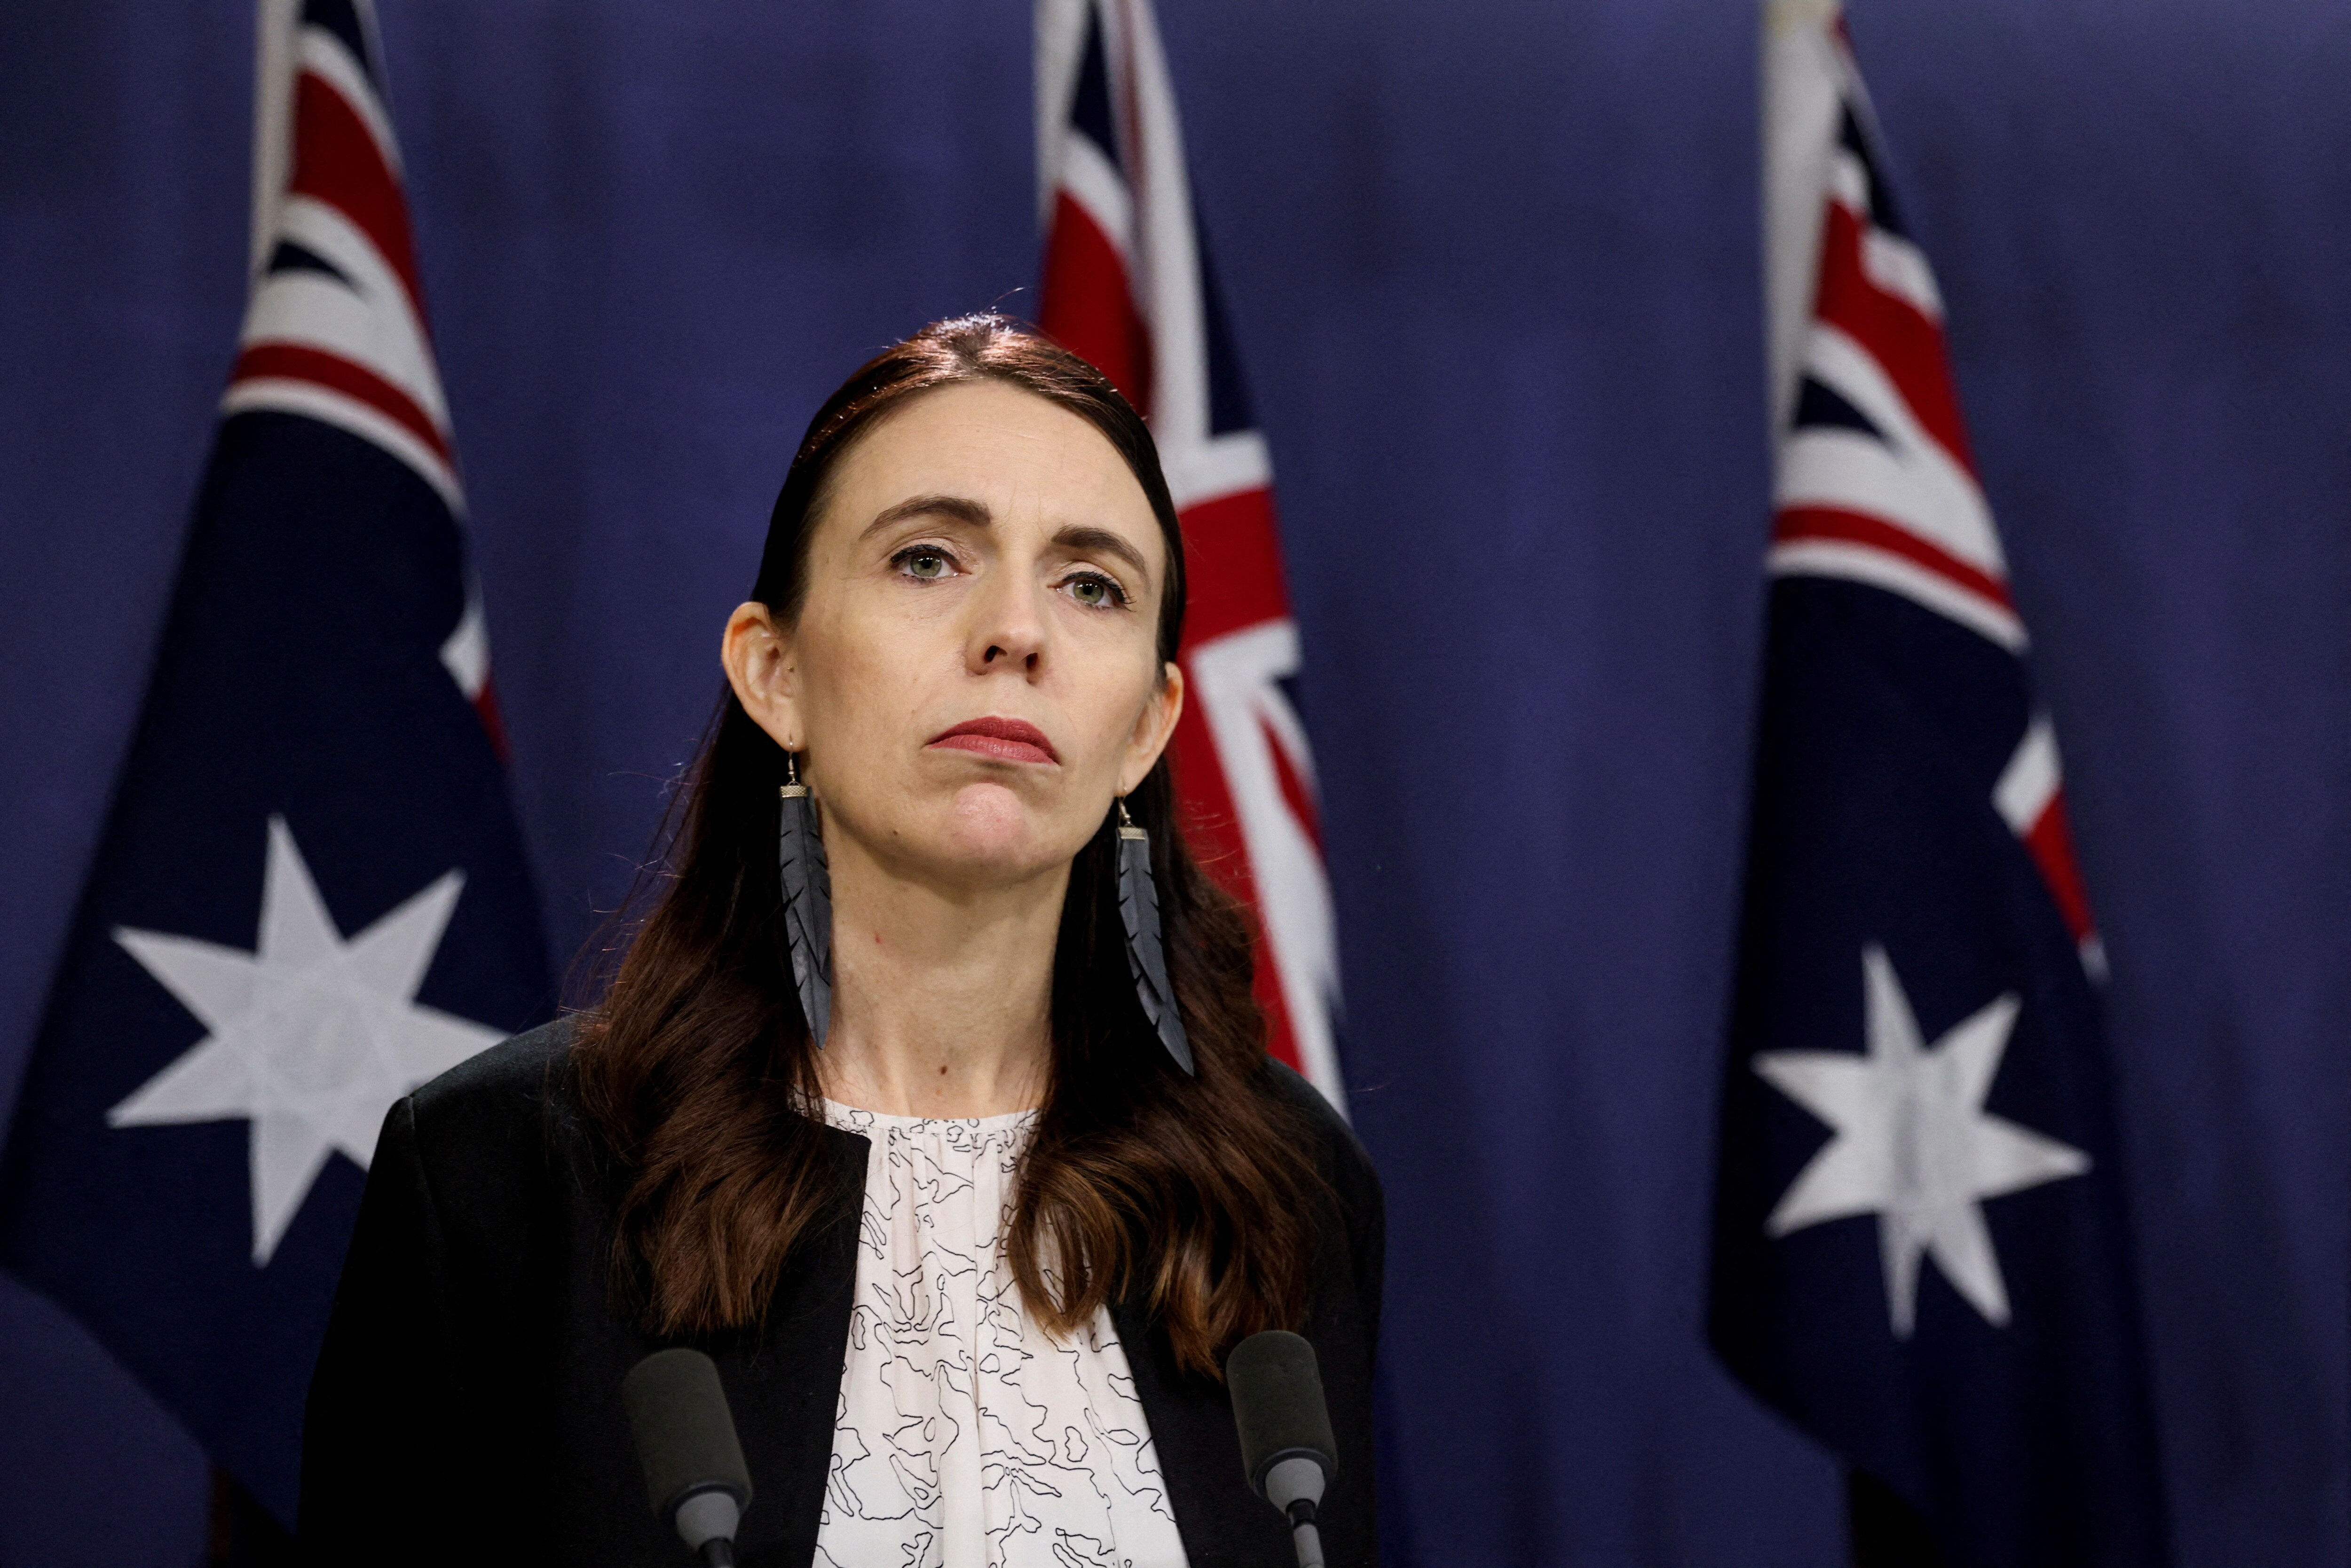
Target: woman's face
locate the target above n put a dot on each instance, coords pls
(975, 673)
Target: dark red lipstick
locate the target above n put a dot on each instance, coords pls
(1006, 739)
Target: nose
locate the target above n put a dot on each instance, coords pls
(1007, 629)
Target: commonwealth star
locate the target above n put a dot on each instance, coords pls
(1914, 1143)
(312, 1038)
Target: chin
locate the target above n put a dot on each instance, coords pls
(992, 833)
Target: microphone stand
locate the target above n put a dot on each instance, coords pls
(1295, 1487)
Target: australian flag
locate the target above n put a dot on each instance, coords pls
(1920, 1252)
(1127, 286)
(311, 892)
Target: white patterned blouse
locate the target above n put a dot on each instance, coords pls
(967, 1437)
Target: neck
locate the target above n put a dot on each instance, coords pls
(941, 996)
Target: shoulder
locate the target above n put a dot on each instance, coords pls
(1335, 1141)
(492, 1129)
(1338, 1151)
(516, 1074)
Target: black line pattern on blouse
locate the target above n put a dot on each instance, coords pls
(966, 1436)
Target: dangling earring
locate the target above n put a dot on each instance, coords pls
(807, 901)
(1138, 908)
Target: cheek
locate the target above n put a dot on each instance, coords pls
(845, 715)
(859, 678)
(1113, 706)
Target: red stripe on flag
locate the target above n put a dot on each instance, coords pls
(2049, 841)
(1797, 523)
(336, 161)
(1907, 343)
(1084, 304)
(299, 362)
(1232, 563)
(1232, 566)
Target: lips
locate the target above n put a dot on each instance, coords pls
(1005, 739)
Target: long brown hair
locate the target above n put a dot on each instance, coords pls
(1191, 1196)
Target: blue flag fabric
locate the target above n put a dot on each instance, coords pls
(310, 894)
(2015, 1418)
(1921, 1252)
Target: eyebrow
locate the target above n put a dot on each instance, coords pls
(962, 508)
(1105, 542)
(975, 514)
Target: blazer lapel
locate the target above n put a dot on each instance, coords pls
(1224, 1524)
(785, 1387)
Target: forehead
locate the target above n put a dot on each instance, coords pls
(1026, 459)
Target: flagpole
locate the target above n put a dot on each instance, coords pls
(273, 86)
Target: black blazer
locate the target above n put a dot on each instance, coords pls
(466, 1406)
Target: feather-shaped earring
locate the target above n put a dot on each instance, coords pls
(807, 901)
(1146, 959)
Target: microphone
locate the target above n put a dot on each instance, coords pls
(695, 1473)
(1285, 1430)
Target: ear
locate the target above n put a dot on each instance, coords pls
(763, 666)
(1154, 729)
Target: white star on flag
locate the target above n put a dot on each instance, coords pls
(312, 1038)
(1914, 1145)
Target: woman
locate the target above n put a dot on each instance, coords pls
(967, 1176)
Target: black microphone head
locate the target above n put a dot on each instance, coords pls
(1277, 1391)
(685, 1437)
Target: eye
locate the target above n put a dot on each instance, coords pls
(925, 563)
(1096, 591)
